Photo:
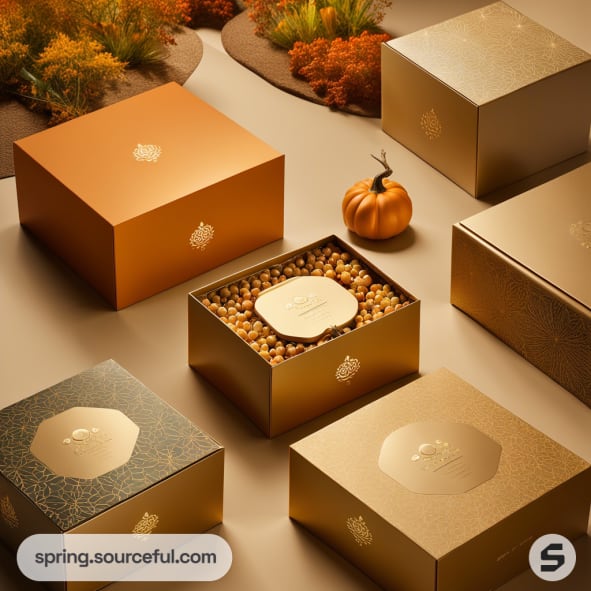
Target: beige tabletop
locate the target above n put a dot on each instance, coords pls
(54, 326)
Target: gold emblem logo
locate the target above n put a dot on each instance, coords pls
(431, 125)
(86, 441)
(432, 456)
(146, 525)
(347, 370)
(147, 152)
(359, 530)
(581, 231)
(8, 513)
(202, 236)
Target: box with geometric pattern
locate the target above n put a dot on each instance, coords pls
(100, 453)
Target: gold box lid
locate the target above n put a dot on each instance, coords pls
(530, 464)
(489, 52)
(546, 230)
(92, 441)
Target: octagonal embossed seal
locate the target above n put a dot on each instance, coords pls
(85, 442)
(439, 457)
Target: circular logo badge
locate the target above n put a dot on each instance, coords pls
(552, 557)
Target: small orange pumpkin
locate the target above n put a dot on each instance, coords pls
(377, 208)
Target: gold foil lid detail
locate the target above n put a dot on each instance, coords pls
(147, 152)
(439, 458)
(304, 308)
(489, 52)
(85, 442)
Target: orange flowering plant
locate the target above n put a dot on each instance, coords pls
(134, 31)
(57, 55)
(342, 71)
(13, 44)
(211, 13)
(333, 44)
(285, 22)
(69, 75)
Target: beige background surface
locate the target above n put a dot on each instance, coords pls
(54, 326)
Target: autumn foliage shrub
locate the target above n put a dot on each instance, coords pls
(343, 71)
(13, 45)
(333, 44)
(69, 75)
(134, 31)
(213, 14)
(284, 22)
(57, 55)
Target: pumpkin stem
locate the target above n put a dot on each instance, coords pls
(377, 185)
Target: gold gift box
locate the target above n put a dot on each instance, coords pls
(488, 97)
(414, 509)
(280, 397)
(100, 453)
(522, 269)
(136, 197)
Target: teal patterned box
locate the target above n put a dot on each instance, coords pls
(101, 453)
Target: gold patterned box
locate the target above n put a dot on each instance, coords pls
(435, 487)
(488, 97)
(522, 269)
(308, 379)
(100, 453)
(136, 197)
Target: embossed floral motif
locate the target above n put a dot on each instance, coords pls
(581, 231)
(521, 312)
(359, 530)
(147, 152)
(8, 513)
(431, 124)
(555, 339)
(347, 370)
(202, 236)
(146, 525)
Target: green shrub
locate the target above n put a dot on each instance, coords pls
(287, 21)
(134, 31)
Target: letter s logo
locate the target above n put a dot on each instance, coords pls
(556, 560)
(552, 557)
